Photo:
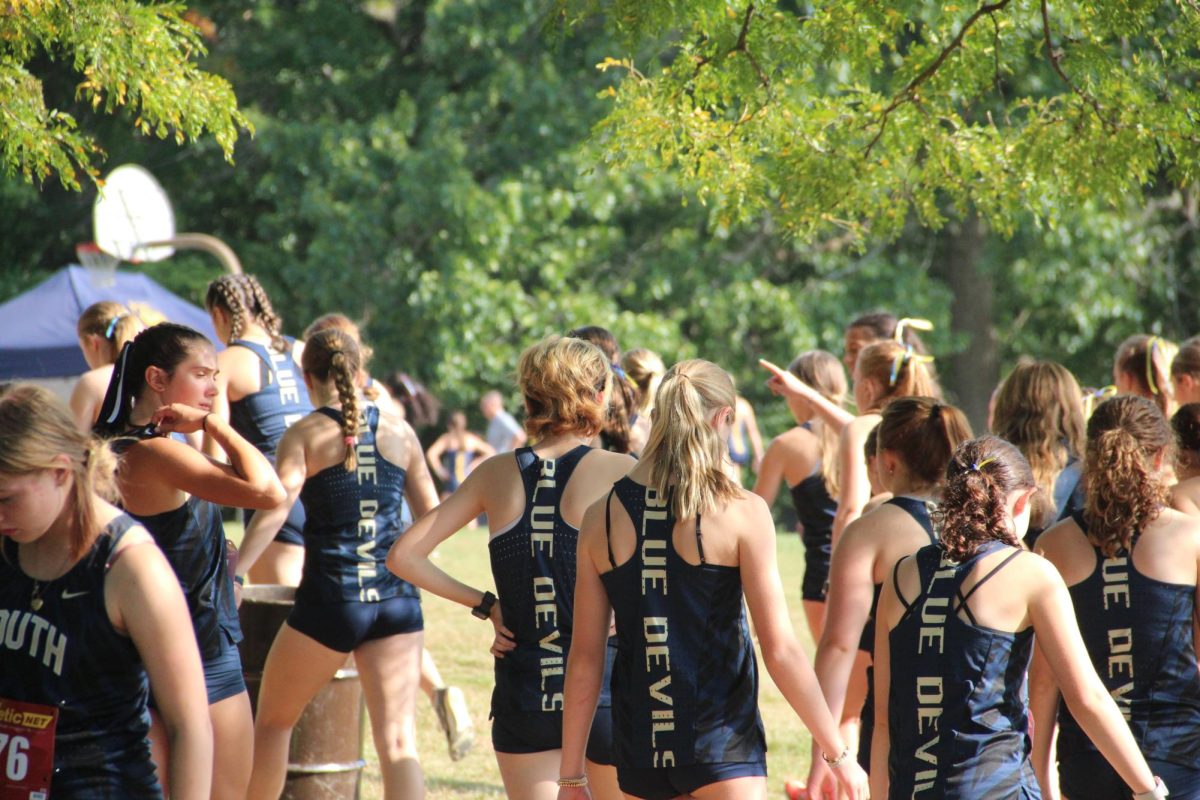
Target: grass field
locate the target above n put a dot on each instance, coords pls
(459, 643)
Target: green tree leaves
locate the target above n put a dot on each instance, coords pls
(126, 56)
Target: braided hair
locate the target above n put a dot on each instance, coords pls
(245, 300)
(333, 353)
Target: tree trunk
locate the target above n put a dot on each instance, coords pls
(970, 375)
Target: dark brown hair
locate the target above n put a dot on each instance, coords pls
(333, 353)
(1187, 360)
(923, 432)
(1186, 424)
(1124, 489)
(882, 325)
(981, 474)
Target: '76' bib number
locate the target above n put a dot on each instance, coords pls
(26, 750)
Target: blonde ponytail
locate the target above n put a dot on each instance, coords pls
(686, 451)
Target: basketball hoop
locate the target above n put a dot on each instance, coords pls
(101, 266)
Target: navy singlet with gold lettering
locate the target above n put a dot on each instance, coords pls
(347, 595)
(957, 713)
(68, 655)
(1138, 632)
(192, 537)
(685, 682)
(533, 564)
(261, 417)
(918, 509)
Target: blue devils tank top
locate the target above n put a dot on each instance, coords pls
(261, 417)
(192, 537)
(738, 444)
(919, 510)
(353, 520)
(533, 564)
(814, 507)
(1138, 632)
(67, 654)
(685, 681)
(957, 713)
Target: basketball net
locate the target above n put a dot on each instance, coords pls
(101, 266)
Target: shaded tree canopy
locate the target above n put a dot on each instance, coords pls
(854, 114)
(107, 56)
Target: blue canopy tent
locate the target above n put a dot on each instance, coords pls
(37, 328)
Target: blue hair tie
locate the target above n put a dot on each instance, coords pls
(112, 325)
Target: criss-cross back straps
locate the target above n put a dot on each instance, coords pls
(962, 599)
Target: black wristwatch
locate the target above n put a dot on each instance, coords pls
(484, 609)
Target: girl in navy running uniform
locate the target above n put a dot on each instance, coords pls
(534, 499)
(164, 383)
(671, 550)
(103, 329)
(1039, 408)
(916, 438)
(1130, 563)
(351, 464)
(805, 458)
(953, 641)
(88, 608)
(260, 393)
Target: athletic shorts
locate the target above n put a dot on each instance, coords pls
(664, 783)
(538, 731)
(1084, 774)
(222, 674)
(346, 625)
(291, 531)
(816, 572)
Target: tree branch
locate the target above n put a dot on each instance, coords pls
(1055, 57)
(908, 92)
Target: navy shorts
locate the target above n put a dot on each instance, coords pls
(1084, 774)
(816, 571)
(222, 674)
(664, 783)
(344, 626)
(539, 731)
(291, 531)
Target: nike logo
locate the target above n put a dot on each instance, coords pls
(71, 595)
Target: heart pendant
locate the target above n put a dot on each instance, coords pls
(36, 604)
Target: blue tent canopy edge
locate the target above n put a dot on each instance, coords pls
(37, 328)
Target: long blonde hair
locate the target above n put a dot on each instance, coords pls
(824, 372)
(35, 428)
(686, 451)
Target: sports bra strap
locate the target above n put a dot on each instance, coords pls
(699, 540)
(896, 584)
(962, 599)
(608, 527)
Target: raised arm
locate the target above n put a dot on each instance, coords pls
(247, 481)
(220, 403)
(585, 662)
(782, 654)
(786, 384)
(143, 598)
(1090, 703)
(855, 489)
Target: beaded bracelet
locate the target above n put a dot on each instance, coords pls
(573, 783)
